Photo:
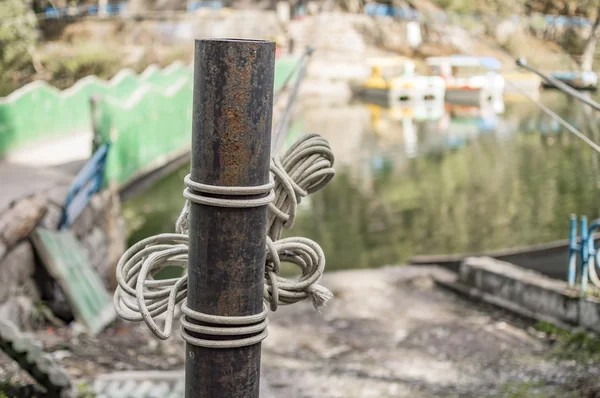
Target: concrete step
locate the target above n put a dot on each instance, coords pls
(29, 354)
(149, 384)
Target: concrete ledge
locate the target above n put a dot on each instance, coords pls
(589, 313)
(524, 292)
(477, 295)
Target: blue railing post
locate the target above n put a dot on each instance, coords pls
(592, 253)
(584, 253)
(573, 248)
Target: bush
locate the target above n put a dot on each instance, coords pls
(18, 37)
(65, 69)
(458, 6)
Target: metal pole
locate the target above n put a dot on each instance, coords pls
(584, 253)
(573, 249)
(231, 138)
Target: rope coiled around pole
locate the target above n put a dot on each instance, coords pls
(305, 168)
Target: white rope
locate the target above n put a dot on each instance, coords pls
(305, 168)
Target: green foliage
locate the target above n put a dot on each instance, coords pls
(18, 37)
(522, 390)
(580, 346)
(572, 41)
(340, 210)
(90, 59)
(458, 6)
(84, 391)
(533, 390)
(586, 8)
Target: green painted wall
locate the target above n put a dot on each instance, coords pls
(283, 67)
(153, 124)
(38, 112)
(146, 130)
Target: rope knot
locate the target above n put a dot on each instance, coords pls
(305, 168)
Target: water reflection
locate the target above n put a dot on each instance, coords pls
(429, 179)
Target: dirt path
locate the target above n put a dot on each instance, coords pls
(389, 333)
(392, 333)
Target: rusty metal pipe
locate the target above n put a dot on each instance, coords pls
(231, 139)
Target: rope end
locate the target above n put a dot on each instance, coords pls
(320, 296)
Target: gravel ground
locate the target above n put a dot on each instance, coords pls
(389, 333)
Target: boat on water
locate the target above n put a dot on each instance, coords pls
(550, 258)
(577, 80)
(469, 80)
(393, 79)
(416, 110)
(398, 125)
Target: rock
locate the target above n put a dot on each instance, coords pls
(96, 247)
(504, 31)
(52, 217)
(58, 194)
(8, 330)
(84, 223)
(94, 215)
(58, 302)
(3, 250)
(100, 202)
(18, 310)
(16, 272)
(115, 231)
(20, 220)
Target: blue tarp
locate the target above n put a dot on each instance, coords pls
(215, 5)
(111, 9)
(383, 10)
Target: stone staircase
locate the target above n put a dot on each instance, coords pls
(142, 384)
(29, 354)
(150, 384)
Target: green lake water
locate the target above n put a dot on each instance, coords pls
(443, 179)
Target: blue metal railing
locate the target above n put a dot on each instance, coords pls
(384, 10)
(87, 182)
(407, 13)
(588, 253)
(91, 10)
(118, 9)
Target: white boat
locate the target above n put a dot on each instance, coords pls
(469, 80)
(393, 79)
(577, 80)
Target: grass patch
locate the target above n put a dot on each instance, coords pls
(582, 346)
(522, 390)
(532, 390)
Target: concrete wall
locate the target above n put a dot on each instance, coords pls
(531, 292)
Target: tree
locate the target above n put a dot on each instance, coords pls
(587, 58)
(18, 37)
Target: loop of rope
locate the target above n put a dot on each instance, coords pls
(243, 326)
(305, 168)
(222, 190)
